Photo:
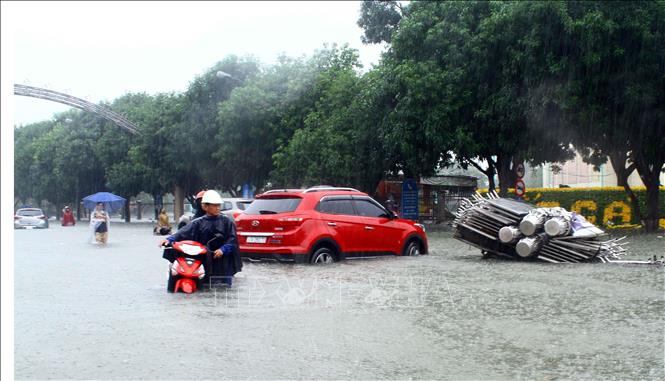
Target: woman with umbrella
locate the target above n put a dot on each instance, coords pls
(99, 218)
(99, 222)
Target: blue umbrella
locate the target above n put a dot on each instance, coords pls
(111, 202)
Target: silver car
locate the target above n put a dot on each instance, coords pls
(30, 218)
(231, 207)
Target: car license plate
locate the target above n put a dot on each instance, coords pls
(253, 239)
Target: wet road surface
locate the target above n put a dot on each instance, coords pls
(85, 312)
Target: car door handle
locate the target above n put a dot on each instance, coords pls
(332, 224)
(369, 228)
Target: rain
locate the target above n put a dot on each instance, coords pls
(526, 139)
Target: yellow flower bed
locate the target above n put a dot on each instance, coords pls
(587, 208)
(607, 206)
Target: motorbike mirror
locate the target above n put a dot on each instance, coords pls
(217, 236)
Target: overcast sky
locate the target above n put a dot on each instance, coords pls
(99, 51)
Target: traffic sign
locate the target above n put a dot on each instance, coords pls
(520, 188)
(409, 199)
(519, 170)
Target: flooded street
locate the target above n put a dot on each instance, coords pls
(87, 312)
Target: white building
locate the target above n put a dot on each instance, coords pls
(576, 173)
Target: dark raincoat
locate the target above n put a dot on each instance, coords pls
(204, 229)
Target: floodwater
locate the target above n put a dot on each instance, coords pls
(87, 312)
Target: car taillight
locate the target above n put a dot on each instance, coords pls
(17, 218)
(235, 215)
(42, 217)
(290, 221)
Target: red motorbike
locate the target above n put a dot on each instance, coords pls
(186, 272)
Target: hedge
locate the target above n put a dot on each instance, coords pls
(606, 206)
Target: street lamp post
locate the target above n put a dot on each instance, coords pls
(223, 74)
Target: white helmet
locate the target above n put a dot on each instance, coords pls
(211, 197)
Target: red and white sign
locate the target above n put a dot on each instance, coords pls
(520, 188)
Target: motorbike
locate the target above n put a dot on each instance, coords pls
(186, 271)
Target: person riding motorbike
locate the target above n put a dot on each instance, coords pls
(224, 261)
(198, 211)
(199, 207)
(68, 216)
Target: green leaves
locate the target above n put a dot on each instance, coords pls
(483, 82)
(379, 19)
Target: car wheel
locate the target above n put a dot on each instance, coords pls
(412, 248)
(170, 285)
(323, 256)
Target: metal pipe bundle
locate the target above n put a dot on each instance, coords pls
(520, 230)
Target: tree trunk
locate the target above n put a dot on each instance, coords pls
(178, 202)
(489, 172)
(491, 185)
(618, 161)
(651, 220)
(78, 203)
(650, 175)
(652, 182)
(371, 184)
(128, 218)
(506, 174)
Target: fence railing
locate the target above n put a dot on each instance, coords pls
(141, 211)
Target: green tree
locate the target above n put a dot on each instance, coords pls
(146, 163)
(616, 98)
(379, 19)
(196, 134)
(261, 119)
(66, 160)
(26, 181)
(321, 152)
(464, 76)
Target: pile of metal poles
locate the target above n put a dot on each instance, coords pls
(520, 230)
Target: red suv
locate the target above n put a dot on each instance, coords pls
(323, 225)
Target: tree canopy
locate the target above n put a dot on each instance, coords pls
(482, 84)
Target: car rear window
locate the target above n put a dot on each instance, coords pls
(273, 205)
(242, 205)
(30, 213)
